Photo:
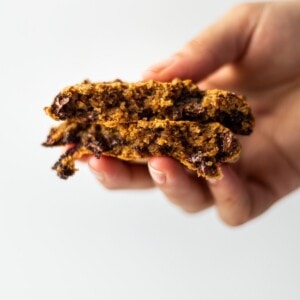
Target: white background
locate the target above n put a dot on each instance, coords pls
(74, 239)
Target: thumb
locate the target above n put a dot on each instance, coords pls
(223, 42)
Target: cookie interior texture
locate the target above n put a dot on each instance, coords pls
(132, 121)
(120, 102)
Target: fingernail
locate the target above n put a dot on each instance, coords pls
(158, 176)
(157, 68)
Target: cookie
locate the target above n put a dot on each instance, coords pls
(119, 102)
(200, 147)
(133, 121)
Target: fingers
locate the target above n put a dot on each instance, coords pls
(184, 190)
(231, 198)
(194, 194)
(223, 42)
(235, 203)
(116, 174)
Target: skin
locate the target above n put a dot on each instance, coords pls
(253, 50)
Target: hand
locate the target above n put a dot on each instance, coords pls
(254, 50)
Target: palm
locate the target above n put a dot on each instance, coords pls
(270, 162)
(269, 155)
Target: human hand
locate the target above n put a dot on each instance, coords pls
(254, 50)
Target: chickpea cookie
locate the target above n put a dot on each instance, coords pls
(133, 121)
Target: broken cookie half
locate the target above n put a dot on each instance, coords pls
(132, 121)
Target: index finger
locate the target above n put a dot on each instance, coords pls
(222, 43)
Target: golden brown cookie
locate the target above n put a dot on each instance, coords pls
(133, 121)
(200, 147)
(120, 102)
